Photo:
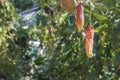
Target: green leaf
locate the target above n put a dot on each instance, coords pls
(100, 17)
(39, 60)
(98, 29)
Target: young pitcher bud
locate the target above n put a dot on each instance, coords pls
(80, 17)
(89, 39)
(69, 5)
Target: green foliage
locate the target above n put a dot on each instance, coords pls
(6, 18)
(60, 54)
(7, 64)
(68, 60)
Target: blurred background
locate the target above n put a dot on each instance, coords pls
(39, 40)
